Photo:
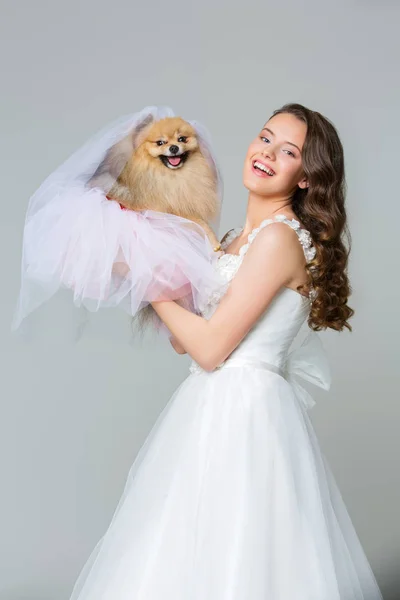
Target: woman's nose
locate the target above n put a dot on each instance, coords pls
(269, 151)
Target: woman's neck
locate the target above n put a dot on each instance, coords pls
(260, 208)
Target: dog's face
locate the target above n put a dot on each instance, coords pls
(170, 142)
(161, 145)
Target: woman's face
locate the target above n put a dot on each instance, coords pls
(273, 164)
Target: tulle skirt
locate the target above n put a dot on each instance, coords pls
(109, 257)
(230, 498)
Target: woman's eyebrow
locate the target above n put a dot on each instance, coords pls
(272, 133)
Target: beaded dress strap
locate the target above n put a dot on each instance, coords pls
(303, 235)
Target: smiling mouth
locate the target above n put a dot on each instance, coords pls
(257, 166)
(174, 162)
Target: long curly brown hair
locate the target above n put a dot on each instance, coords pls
(321, 209)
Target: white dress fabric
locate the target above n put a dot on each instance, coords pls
(230, 497)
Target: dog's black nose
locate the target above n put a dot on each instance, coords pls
(174, 149)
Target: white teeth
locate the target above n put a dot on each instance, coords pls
(260, 166)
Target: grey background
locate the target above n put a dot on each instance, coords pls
(74, 416)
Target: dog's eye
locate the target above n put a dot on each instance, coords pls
(182, 139)
(160, 142)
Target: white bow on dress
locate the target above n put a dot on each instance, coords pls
(308, 362)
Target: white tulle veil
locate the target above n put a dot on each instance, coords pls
(73, 235)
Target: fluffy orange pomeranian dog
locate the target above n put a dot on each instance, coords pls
(160, 166)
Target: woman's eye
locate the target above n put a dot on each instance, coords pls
(160, 142)
(266, 140)
(182, 139)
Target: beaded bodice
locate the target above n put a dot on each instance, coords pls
(275, 330)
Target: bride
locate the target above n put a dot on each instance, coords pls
(230, 497)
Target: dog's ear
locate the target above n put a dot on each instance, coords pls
(118, 155)
(140, 131)
(112, 164)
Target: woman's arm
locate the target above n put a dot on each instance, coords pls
(272, 261)
(177, 346)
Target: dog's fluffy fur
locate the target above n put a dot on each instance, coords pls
(137, 173)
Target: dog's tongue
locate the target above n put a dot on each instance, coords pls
(174, 161)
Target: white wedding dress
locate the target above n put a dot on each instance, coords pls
(230, 497)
